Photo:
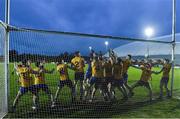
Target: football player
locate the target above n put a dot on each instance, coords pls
(64, 80)
(26, 83)
(144, 80)
(40, 80)
(126, 64)
(165, 78)
(97, 78)
(78, 64)
(118, 78)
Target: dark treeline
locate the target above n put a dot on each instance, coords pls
(15, 57)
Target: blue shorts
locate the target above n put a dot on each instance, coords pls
(88, 75)
(109, 79)
(79, 76)
(93, 80)
(67, 82)
(24, 90)
(118, 82)
(125, 77)
(165, 80)
(43, 87)
(98, 82)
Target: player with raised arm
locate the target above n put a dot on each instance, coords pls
(144, 80)
(126, 64)
(118, 79)
(97, 79)
(40, 81)
(64, 80)
(26, 83)
(108, 75)
(78, 64)
(165, 78)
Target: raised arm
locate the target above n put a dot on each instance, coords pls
(137, 67)
(154, 72)
(33, 72)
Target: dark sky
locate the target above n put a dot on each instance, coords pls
(126, 18)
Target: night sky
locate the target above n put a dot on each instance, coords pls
(127, 18)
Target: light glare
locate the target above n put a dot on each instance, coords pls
(90, 48)
(149, 32)
(106, 43)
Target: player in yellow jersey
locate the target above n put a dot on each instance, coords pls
(64, 80)
(97, 79)
(144, 80)
(165, 78)
(126, 64)
(26, 83)
(118, 78)
(108, 66)
(108, 75)
(40, 81)
(78, 64)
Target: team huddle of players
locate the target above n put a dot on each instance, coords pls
(102, 73)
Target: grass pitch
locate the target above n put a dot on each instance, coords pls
(137, 106)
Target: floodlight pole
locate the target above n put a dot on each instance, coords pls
(173, 42)
(7, 21)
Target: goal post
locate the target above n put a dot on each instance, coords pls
(173, 42)
(3, 72)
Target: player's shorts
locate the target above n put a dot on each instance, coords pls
(31, 89)
(165, 80)
(109, 80)
(93, 80)
(98, 82)
(125, 77)
(67, 82)
(118, 82)
(143, 83)
(88, 75)
(43, 87)
(79, 76)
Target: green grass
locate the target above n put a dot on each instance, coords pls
(137, 106)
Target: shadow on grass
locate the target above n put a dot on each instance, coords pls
(82, 109)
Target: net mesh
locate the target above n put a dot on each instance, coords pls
(2, 72)
(51, 48)
(177, 68)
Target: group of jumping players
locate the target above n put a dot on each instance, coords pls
(102, 73)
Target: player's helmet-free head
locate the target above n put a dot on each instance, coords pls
(20, 64)
(129, 56)
(119, 60)
(77, 53)
(61, 61)
(166, 60)
(148, 65)
(37, 64)
(24, 62)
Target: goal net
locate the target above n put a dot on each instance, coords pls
(3, 100)
(39, 88)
